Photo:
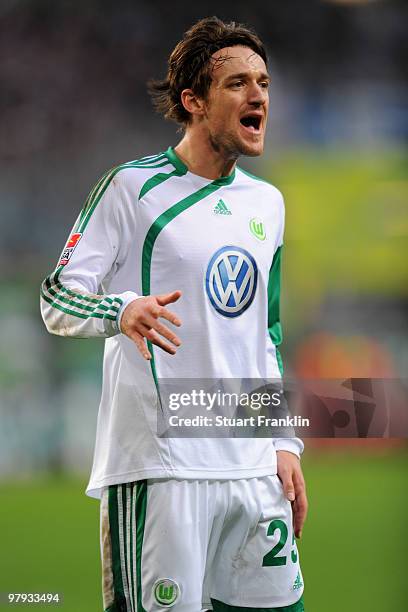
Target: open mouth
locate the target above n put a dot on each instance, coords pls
(251, 122)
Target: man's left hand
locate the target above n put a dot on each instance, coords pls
(291, 476)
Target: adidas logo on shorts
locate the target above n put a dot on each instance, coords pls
(298, 582)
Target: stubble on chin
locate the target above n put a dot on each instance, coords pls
(252, 151)
(231, 148)
(222, 145)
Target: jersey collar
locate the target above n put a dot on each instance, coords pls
(182, 169)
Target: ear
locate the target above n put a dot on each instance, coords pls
(192, 103)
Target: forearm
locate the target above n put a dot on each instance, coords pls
(69, 310)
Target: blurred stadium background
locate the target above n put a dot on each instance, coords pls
(73, 103)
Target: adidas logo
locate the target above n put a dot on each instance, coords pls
(298, 582)
(221, 208)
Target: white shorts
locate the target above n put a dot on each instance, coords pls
(193, 545)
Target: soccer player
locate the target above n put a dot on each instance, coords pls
(175, 259)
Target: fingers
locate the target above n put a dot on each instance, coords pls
(157, 310)
(167, 333)
(139, 340)
(168, 298)
(154, 324)
(166, 314)
(300, 505)
(140, 321)
(154, 337)
(170, 316)
(296, 495)
(288, 486)
(299, 513)
(285, 473)
(293, 484)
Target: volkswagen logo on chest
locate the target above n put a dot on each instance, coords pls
(231, 280)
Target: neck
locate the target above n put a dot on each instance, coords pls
(201, 157)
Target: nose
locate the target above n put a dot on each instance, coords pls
(257, 95)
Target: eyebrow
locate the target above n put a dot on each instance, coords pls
(244, 75)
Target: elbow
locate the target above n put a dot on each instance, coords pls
(52, 318)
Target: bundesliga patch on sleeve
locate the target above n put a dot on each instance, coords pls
(69, 249)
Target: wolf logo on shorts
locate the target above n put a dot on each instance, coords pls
(166, 592)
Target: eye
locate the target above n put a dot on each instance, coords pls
(237, 83)
(264, 84)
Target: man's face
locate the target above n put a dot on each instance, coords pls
(237, 104)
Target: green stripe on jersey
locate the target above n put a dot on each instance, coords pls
(155, 229)
(101, 187)
(75, 313)
(151, 159)
(87, 297)
(80, 306)
(55, 294)
(156, 180)
(165, 218)
(274, 324)
(97, 192)
(179, 170)
(53, 291)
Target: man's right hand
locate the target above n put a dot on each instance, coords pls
(140, 320)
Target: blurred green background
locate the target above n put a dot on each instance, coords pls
(73, 104)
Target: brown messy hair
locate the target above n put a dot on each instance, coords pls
(189, 65)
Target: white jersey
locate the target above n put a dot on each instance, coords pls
(152, 227)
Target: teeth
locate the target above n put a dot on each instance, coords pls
(252, 128)
(253, 124)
